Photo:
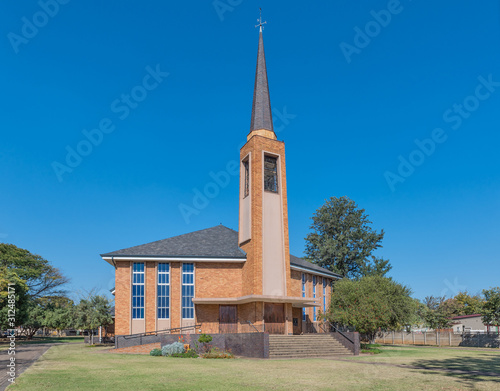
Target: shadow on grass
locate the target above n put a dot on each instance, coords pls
(484, 367)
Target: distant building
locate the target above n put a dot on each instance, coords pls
(472, 323)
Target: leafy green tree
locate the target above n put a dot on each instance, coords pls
(343, 241)
(435, 316)
(491, 306)
(41, 278)
(92, 312)
(13, 298)
(468, 304)
(35, 320)
(59, 313)
(370, 304)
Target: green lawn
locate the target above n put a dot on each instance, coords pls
(75, 367)
(4, 343)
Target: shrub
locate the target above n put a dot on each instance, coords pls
(155, 352)
(175, 347)
(188, 354)
(204, 338)
(370, 348)
(218, 353)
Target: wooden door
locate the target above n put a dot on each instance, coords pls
(274, 318)
(228, 319)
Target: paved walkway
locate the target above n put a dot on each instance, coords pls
(26, 355)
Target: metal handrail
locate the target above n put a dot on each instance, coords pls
(156, 332)
(251, 324)
(335, 329)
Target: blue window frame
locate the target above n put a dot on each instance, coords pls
(303, 295)
(138, 290)
(314, 295)
(324, 295)
(187, 290)
(163, 291)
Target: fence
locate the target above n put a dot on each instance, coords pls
(439, 338)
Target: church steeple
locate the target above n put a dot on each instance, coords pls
(262, 119)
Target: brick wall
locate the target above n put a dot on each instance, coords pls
(122, 297)
(150, 299)
(218, 279)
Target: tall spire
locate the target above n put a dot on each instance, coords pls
(261, 107)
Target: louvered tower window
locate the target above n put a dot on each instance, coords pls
(247, 178)
(271, 174)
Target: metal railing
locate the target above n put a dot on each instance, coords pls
(251, 324)
(165, 331)
(335, 329)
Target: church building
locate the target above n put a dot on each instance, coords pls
(218, 280)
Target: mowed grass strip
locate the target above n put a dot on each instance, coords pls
(77, 367)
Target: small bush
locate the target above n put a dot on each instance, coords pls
(155, 352)
(175, 347)
(204, 338)
(218, 353)
(370, 348)
(188, 354)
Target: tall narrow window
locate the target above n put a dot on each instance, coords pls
(163, 291)
(187, 290)
(138, 290)
(303, 295)
(246, 168)
(324, 295)
(271, 173)
(314, 295)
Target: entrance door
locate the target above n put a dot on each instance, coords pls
(228, 319)
(274, 318)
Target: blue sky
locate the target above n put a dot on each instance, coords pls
(353, 85)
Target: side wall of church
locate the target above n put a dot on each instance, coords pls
(212, 280)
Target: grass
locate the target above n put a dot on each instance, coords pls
(371, 348)
(38, 340)
(66, 367)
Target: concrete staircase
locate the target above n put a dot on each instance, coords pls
(305, 346)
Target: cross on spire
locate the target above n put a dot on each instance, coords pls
(261, 23)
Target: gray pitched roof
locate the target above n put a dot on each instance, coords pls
(215, 242)
(261, 107)
(299, 262)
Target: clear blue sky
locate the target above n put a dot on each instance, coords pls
(356, 110)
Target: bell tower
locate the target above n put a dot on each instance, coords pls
(263, 215)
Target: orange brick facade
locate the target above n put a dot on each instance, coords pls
(211, 280)
(255, 147)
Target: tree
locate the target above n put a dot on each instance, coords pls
(370, 304)
(14, 300)
(92, 312)
(41, 278)
(59, 313)
(35, 320)
(469, 305)
(435, 316)
(343, 241)
(491, 306)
